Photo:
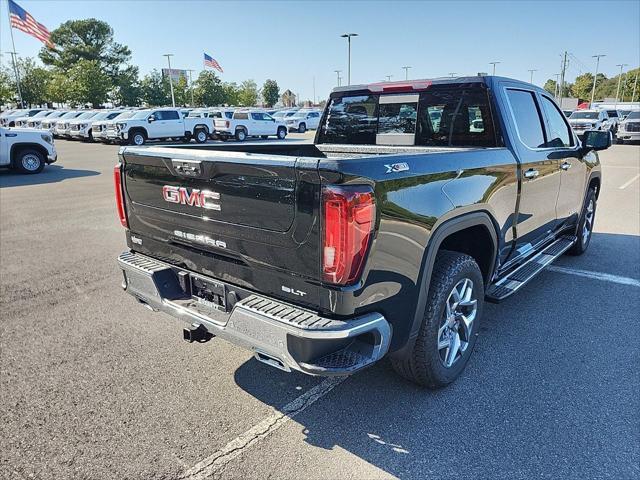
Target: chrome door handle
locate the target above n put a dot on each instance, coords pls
(565, 166)
(531, 173)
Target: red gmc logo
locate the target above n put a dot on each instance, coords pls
(194, 197)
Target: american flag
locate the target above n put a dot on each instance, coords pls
(209, 61)
(22, 20)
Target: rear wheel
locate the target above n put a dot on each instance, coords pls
(585, 226)
(241, 135)
(450, 323)
(201, 135)
(29, 161)
(282, 133)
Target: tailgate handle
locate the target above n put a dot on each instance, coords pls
(188, 168)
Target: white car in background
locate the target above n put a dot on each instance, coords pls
(82, 128)
(9, 120)
(63, 127)
(36, 120)
(629, 128)
(100, 127)
(249, 123)
(303, 120)
(583, 120)
(27, 151)
(22, 121)
(51, 123)
(282, 115)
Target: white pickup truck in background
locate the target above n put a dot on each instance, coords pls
(161, 124)
(26, 150)
(303, 120)
(249, 123)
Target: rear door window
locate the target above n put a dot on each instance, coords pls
(526, 116)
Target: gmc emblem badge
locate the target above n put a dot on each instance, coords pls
(193, 198)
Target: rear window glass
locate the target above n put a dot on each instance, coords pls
(241, 116)
(351, 119)
(443, 116)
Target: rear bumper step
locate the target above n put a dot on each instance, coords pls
(279, 334)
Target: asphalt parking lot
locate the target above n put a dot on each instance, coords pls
(92, 386)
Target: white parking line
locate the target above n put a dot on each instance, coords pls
(625, 185)
(605, 277)
(213, 463)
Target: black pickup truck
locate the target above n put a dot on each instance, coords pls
(417, 202)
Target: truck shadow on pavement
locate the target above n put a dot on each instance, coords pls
(50, 174)
(542, 393)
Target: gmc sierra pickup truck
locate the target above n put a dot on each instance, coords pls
(417, 202)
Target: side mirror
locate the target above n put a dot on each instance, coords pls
(597, 139)
(151, 119)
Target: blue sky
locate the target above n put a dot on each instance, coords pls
(295, 41)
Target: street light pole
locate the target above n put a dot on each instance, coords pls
(191, 87)
(494, 66)
(173, 98)
(531, 72)
(555, 90)
(348, 37)
(621, 65)
(406, 72)
(338, 72)
(595, 76)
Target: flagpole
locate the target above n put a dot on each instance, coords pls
(14, 55)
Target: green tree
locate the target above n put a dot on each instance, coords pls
(87, 39)
(34, 82)
(154, 92)
(270, 92)
(248, 93)
(88, 84)
(231, 93)
(551, 86)
(58, 87)
(583, 85)
(209, 90)
(181, 91)
(127, 90)
(7, 87)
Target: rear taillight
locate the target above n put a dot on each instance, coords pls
(349, 214)
(117, 183)
(227, 123)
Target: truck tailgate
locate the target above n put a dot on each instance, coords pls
(237, 216)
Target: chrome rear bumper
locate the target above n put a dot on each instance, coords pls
(279, 334)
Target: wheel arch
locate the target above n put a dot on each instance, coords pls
(450, 235)
(17, 147)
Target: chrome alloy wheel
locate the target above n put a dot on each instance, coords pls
(587, 227)
(138, 139)
(31, 162)
(454, 334)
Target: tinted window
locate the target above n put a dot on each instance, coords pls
(585, 115)
(455, 117)
(167, 115)
(559, 134)
(527, 118)
(351, 119)
(241, 116)
(633, 116)
(228, 114)
(258, 116)
(314, 115)
(612, 113)
(398, 117)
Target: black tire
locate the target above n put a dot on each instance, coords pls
(585, 225)
(29, 161)
(425, 365)
(241, 134)
(201, 135)
(302, 128)
(135, 136)
(264, 137)
(90, 136)
(620, 141)
(282, 133)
